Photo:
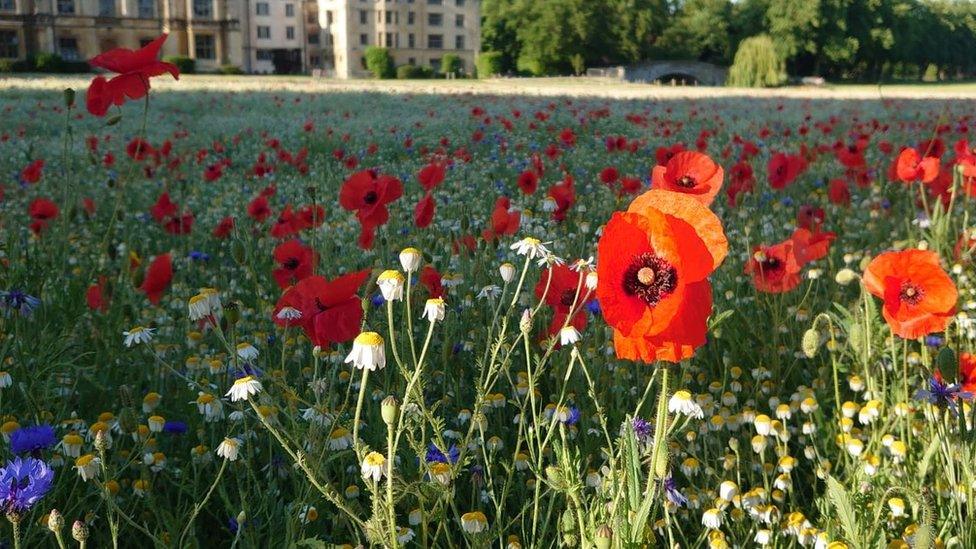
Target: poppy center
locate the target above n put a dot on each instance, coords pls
(686, 181)
(769, 264)
(567, 298)
(292, 263)
(910, 293)
(370, 198)
(650, 278)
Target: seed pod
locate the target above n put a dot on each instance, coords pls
(810, 343)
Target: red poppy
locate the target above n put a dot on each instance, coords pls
(423, 213)
(431, 279)
(838, 192)
(224, 228)
(653, 264)
(911, 167)
(774, 269)
(42, 211)
(311, 215)
(258, 209)
(167, 213)
(295, 262)
(919, 297)
(95, 295)
(159, 274)
(811, 245)
(330, 310)
(967, 372)
(32, 172)
(134, 69)
(689, 172)
(528, 181)
(504, 222)
(287, 224)
(565, 288)
(367, 194)
(810, 217)
(431, 175)
(783, 169)
(564, 193)
(609, 175)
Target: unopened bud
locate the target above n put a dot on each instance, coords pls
(810, 343)
(55, 521)
(69, 97)
(604, 535)
(525, 324)
(79, 531)
(101, 440)
(845, 277)
(389, 410)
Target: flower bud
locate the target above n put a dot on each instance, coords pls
(410, 259)
(525, 324)
(389, 410)
(69, 97)
(845, 277)
(55, 521)
(507, 270)
(101, 440)
(604, 535)
(79, 531)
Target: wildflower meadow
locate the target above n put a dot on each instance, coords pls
(336, 319)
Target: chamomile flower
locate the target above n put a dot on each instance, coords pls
(474, 522)
(243, 388)
(367, 352)
(681, 402)
(373, 466)
(87, 466)
(411, 259)
(391, 285)
(138, 335)
(229, 449)
(532, 247)
(434, 309)
(247, 352)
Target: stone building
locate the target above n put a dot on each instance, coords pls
(259, 36)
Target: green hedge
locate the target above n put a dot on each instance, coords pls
(451, 63)
(413, 72)
(44, 62)
(187, 65)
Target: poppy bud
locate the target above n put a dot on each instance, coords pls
(811, 343)
(69, 97)
(237, 252)
(525, 324)
(113, 120)
(604, 535)
(232, 312)
(465, 222)
(389, 409)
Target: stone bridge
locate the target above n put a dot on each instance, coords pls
(688, 73)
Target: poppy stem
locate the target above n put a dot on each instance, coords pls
(359, 408)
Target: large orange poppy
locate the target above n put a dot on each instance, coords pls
(689, 172)
(653, 263)
(919, 297)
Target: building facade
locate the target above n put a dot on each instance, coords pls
(327, 37)
(417, 32)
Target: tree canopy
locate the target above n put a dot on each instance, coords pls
(851, 39)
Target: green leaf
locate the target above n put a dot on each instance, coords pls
(311, 543)
(947, 363)
(845, 512)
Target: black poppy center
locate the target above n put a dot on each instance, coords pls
(686, 181)
(650, 278)
(769, 265)
(292, 263)
(910, 293)
(370, 198)
(567, 298)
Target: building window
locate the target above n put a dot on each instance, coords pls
(264, 32)
(261, 8)
(435, 41)
(364, 39)
(68, 48)
(459, 42)
(412, 61)
(7, 5)
(290, 33)
(459, 20)
(263, 55)
(147, 9)
(312, 18)
(435, 64)
(202, 8)
(289, 10)
(435, 19)
(389, 17)
(9, 44)
(410, 17)
(203, 46)
(313, 38)
(314, 61)
(389, 39)
(363, 17)
(435, 2)
(459, 3)
(106, 8)
(411, 41)
(66, 7)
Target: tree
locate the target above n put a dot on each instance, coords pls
(699, 30)
(757, 64)
(499, 31)
(379, 62)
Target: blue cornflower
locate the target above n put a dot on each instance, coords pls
(32, 439)
(377, 300)
(593, 307)
(570, 416)
(943, 395)
(199, 256)
(174, 427)
(642, 430)
(934, 340)
(23, 482)
(435, 455)
(672, 493)
(19, 302)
